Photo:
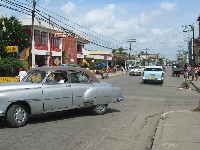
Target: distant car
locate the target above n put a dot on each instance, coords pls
(153, 74)
(177, 69)
(136, 70)
(42, 92)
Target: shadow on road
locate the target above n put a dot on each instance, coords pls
(57, 116)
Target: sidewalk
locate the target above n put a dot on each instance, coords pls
(111, 74)
(176, 130)
(179, 130)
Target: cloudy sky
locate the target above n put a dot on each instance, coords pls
(155, 24)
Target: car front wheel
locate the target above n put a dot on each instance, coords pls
(17, 115)
(99, 109)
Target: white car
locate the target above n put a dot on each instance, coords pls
(153, 74)
(136, 70)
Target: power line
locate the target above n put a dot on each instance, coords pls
(44, 19)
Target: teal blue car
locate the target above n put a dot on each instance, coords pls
(153, 74)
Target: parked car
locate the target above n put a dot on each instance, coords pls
(136, 70)
(40, 92)
(154, 74)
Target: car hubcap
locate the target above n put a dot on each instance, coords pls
(19, 115)
(100, 108)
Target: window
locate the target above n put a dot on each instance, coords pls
(57, 77)
(153, 69)
(37, 37)
(35, 76)
(80, 77)
(44, 38)
(55, 42)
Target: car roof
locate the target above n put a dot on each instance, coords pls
(154, 67)
(68, 68)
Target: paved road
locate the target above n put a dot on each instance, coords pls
(129, 125)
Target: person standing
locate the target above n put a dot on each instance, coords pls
(192, 72)
(22, 73)
(196, 70)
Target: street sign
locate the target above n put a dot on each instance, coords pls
(12, 49)
(57, 61)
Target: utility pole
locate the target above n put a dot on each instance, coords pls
(193, 51)
(50, 59)
(130, 41)
(32, 37)
(192, 28)
(146, 55)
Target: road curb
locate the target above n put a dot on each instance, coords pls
(159, 129)
(197, 88)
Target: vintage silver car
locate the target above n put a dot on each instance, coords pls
(42, 92)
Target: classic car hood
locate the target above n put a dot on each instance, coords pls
(18, 85)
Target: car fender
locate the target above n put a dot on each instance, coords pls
(33, 97)
(102, 95)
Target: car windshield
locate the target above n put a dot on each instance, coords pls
(135, 67)
(35, 76)
(153, 69)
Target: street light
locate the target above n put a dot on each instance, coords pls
(130, 41)
(193, 52)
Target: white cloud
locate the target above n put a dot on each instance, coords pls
(69, 8)
(100, 15)
(168, 6)
(160, 31)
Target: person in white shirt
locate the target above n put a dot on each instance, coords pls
(58, 78)
(22, 74)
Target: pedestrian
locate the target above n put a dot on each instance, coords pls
(101, 71)
(192, 72)
(196, 70)
(22, 73)
(108, 68)
(186, 83)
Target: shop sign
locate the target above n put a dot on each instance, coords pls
(80, 56)
(60, 35)
(12, 49)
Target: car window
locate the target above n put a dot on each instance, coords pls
(57, 77)
(79, 77)
(153, 69)
(35, 76)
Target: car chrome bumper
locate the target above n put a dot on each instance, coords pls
(119, 99)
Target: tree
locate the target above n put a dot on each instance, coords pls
(119, 51)
(114, 51)
(11, 34)
(142, 52)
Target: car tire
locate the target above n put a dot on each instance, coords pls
(17, 115)
(161, 82)
(99, 109)
(145, 81)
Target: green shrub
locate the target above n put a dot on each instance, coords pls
(10, 67)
